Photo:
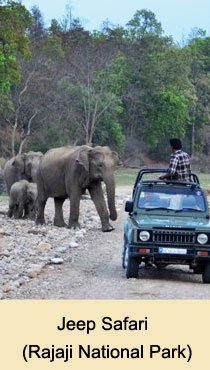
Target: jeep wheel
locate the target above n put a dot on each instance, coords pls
(125, 256)
(206, 274)
(132, 267)
(198, 269)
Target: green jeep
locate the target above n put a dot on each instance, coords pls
(168, 223)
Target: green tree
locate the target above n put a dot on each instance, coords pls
(160, 93)
(199, 51)
(14, 21)
(170, 118)
(142, 24)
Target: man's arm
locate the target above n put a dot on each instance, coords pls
(171, 169)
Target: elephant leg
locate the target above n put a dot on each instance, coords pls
(26, 211)
(15, 211)
(97, 196)
(40, 214)
(18, 210)
(74, 209)
(58, 219)
(31, 212)
(10, 210)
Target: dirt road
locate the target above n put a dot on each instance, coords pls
(94, 271)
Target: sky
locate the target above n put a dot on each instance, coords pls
(177, 17)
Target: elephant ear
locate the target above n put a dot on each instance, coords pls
(82, 158)
(30, 195)
(19, 162)
(116, 158)
(28, 168)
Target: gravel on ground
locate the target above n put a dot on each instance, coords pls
(47, 262)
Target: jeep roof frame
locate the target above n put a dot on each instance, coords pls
(147, 170)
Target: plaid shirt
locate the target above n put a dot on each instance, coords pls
(179, 166)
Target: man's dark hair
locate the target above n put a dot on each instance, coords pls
(176, 143)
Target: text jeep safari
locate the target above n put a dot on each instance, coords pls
(168, 223)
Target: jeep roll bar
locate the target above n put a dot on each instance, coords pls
(194, 180)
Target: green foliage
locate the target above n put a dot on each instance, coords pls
(116, 138)
(14, 20)
(55, 28)
(114, 87)
(53, 134)
(110, 133)
(170, 118)
(5, 104)
(142, 24)
(199, 51)
(119, 74)
(53, 46)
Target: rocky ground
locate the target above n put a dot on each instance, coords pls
(28, 250)
(46, 262)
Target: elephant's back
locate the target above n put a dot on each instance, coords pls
(19, 186)
(57, 155)
(60, 157)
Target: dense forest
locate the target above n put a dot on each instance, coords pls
(127, 87)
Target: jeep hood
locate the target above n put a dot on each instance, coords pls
(172, 221)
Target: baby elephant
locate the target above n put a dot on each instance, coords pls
(23, 200)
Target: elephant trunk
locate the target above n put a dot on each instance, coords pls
(110, 189)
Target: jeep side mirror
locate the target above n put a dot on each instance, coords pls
(129, 206)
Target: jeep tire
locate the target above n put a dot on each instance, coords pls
(206, 273)
(125, 254)
(132, 267)
(198, 269)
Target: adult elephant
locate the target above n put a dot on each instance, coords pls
(67, 172)
(22, 166)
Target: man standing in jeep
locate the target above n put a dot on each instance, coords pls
(179, 166)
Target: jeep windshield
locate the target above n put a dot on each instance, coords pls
(174, 198)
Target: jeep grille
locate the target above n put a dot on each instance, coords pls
(173, 236)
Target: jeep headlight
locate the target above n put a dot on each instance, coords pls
(202, 238)
(144, 235)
